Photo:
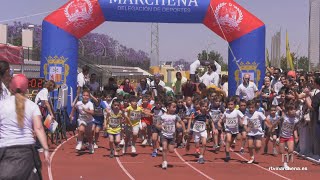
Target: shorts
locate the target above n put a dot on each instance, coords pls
(198, 135)
(241, 129)
(98, 123)
(170, 141)
(114, 135)
(88, 126)
(132, 130)
(256, 137)
(274, 133)
(232, 135)
(283, 140)
(154, 129)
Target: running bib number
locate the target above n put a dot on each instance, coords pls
(232, 123)
(169, 128)
(134, 116)
(199, 126)
(114, 122)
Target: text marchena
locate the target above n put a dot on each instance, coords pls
(186, 3)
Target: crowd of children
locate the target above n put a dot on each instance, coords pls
(168, 122)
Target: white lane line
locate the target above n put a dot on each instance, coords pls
(52, 155)
(124, 169)
(261, 167)
(187, 163)
(141, 162)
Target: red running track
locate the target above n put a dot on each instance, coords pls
(71, 165)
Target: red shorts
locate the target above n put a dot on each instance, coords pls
(283, 140)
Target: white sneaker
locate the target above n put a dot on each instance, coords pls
(164, 165)
(91, 149)
(124, 149)
(251, 160)
(160, 149)
(95, 146)
(121, 142)
(79, 146)
(285, 166)
(133, 149)
(145, 141)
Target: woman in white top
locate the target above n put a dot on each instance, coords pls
(18, 157)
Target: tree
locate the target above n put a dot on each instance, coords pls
(213, 56)
(298, 62)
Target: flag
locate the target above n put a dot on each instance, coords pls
(267, 59)
(289, 58)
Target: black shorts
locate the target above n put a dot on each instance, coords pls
(241, 129)
(154, 129)
(232, 135)
(257, 137)
(275, 132)
(170, 141)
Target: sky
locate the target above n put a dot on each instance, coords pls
(184, 41)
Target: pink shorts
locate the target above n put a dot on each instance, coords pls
(283, 140)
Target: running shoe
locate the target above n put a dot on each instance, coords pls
(91, 149)
(275, 152)
(164, 165)
(145, 142)
(79, 146)
(154, 154)
(241, 150)
(201, 161)
(227, 158)
(251, 160)
(111, 154)
(285, 166)
(160, 149)
(95, 146)
(121, 142)
(133, 149)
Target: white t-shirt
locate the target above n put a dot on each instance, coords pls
(168, 123)
(81, 80)
(5, 92)
(161, 83)
(254, 121)
(194, 66)
(43, 95)
(10, 133)
(231, 120)
(287, 126)
(247, 93)
(83, 116)
(210, 79)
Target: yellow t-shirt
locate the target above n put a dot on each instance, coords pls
(134, 115)
(114, 123)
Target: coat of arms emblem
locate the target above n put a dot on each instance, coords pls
(78, 13)
(228, 16)
(55, 69)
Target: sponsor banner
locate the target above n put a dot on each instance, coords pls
(167, 11)
(249, 53)
(11, 54)
(231, 18)
(78, 17)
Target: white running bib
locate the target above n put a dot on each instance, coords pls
(199, 126)
(169, 128)
(114, 122)
(134, 115)
(231, 122)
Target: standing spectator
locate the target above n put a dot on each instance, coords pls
(276, 81)
(157, 85)
(224, 84)
(4, 74)
(43, 99)
(111, 87)
(247, 90)
(177, 83)
(20, 119)
(142, 87)
(189, 88)
(210, 77)
(82, 79)
(127, 87)
(93, 84)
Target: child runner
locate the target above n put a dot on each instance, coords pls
(98, 116)
(190, 110)
(231, 119)
(167, 124)
(157, 112)
(288, 123)
(252, 122)
(113, 125)
(134, 113)
(200, 120)
(242, 132)
(146, 120)
(216, 111)
(85, 109)
(273, 132)
(181, 112)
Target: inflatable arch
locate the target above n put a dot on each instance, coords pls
(62, 29)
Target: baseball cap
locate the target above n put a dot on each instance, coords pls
(292, 74)
(19, 83)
